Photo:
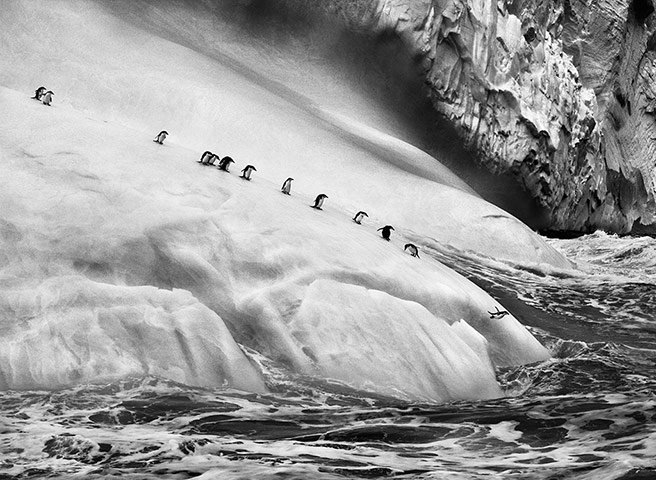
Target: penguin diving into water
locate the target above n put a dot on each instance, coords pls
(318, 202)
(161, 136)
(498, 313)
(39, 93)
(224, 164)
(387, 231)
(287, 186)
(205, 157)
(414, 251)
(246, 172)
(47, 97)
(358, 217)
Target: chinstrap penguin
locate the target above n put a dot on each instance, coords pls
(287, 186)
(359, 216)
(318, 202)
(386, 231)
(246, 172)
(38, 93)
(47, 98)
(161, 136)
(224, 164)
(414, 251)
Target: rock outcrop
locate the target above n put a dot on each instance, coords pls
(558, 93)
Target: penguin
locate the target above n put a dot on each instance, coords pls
(205, 157)
(287, 186)
(246, 172)
(47, 97)
(161, 136)
(498, 313)
(224, 164)
(414, 251)
(387, 230)
(38, 93)
(358, 217)
(212, 159)
(318, 202)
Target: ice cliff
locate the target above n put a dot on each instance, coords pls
(559, 94)
(122, 257)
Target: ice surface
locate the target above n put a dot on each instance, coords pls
(121, 257)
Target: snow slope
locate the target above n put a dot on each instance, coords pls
(122, 257)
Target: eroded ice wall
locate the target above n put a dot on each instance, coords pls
(558, 94)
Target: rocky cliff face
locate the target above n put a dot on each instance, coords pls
(559, 93)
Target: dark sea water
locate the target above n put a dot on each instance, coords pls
(588, 413)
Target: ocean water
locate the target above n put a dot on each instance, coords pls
(588, 413)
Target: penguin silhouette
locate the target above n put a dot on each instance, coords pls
(246, 172)
(47, 98)
(205, 157)
(318, 202)
(414, 251)
(161, 136)
(38, 93)
(359, 216)
(224, 164)
(387, 230)
(287, 186)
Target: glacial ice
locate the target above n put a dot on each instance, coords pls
(121, 257)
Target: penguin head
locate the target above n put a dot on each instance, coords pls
(50, 92)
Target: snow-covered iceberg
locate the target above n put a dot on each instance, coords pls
(119, 256)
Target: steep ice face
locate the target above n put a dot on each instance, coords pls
(120, 256)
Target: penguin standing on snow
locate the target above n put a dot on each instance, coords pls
(318, 202)
(359, 216)
(224, 164)
(47, 97)
(205, 157)
(414, 251)
(212, 159)
(387, 230)
(38, 93)
(246, 172)
(287, 186)
(161, 136)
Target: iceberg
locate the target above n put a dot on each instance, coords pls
(122, 257)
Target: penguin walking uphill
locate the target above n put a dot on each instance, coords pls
(224, 164)
(412, 248)
(161, 136)
(386, 231)
(318, 202)
(246, 172)
(212, 159)
(359, 216)
(287, 186)
(205, 157)
(39, 93)
(47, 98)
